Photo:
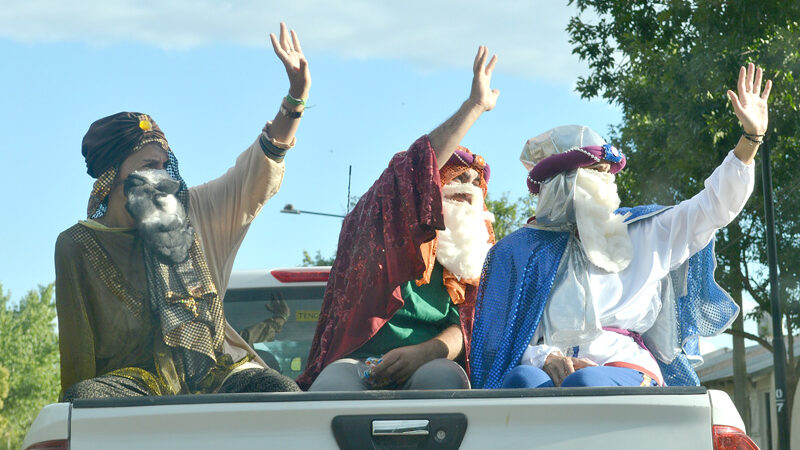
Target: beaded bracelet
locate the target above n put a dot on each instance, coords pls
(749, 138)
(291, 114)
(296, 101)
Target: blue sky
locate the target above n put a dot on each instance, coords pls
(382, 76)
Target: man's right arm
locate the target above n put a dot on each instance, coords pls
(446, 137)
(75, 335)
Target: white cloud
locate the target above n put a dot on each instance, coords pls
(528, 35)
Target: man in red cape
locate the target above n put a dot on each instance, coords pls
(400, 299)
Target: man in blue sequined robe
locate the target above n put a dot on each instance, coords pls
(588, 294)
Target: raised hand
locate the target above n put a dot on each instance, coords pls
(482, 93)
(278, 307)
(288, 49)
(446, 137)
(750, 104)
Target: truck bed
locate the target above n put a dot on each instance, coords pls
(596, 418)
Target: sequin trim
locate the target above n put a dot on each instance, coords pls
(133, 299)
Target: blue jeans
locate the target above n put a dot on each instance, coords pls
(533, 377)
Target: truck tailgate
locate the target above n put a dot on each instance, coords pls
(596, 418)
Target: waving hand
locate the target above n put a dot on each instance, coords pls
(288, 49)
(750, 104)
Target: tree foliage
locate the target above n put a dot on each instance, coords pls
(3, 395)
(667, 65)
(317, 259)
(29, 353)
(509, 216)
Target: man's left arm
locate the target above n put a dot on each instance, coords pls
(445, 138)
(402, 362)
(687, 228)
(287, 47)
(222, 209)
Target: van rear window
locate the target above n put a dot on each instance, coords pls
(278, 322)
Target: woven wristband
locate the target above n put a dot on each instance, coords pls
(296, 101)
(749, 138)
(271, 150)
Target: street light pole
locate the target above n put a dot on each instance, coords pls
(289, 209)
(778, 345)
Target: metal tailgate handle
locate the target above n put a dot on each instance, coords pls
(435, 431)
(411, 427)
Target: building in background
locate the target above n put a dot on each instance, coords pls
(717, 373)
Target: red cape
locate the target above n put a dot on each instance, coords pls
(378, 251)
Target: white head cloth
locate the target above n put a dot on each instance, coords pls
(557, 140)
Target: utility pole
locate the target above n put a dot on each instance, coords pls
(778, 345)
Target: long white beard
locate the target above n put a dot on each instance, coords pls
(464, 242)
(603, 234)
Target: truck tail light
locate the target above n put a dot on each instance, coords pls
(61, 444)
(300, 275)
(731, 438)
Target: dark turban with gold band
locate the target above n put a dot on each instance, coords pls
(182, 294)
(109, 142)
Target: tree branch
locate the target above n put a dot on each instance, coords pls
(764, 343)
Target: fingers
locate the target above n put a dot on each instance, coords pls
(740, 84)
(580, 363)
(382, 369)
(560, 367)
(735, 99)
(748, 84)
(568, 367)
(276, 46)
(296, 42)
(563, 371)
(757, 82)
(285, 44)
(767, 89)
(492, 63)
(480, 59)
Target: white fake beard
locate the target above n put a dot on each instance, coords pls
(603, 234)
(464, 242)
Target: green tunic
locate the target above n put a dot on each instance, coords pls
(426, 312)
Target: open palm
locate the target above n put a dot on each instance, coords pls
(750, 103)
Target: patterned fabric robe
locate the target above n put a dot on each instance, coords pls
(379, 250)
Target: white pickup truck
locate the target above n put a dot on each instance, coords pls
(549, 418)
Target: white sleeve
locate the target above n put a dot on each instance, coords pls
(687, 228)
(536, 354)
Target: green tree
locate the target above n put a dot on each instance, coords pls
(667, 65)
(509, 216)
(316, 260)
(3, 395)
(29, 352)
